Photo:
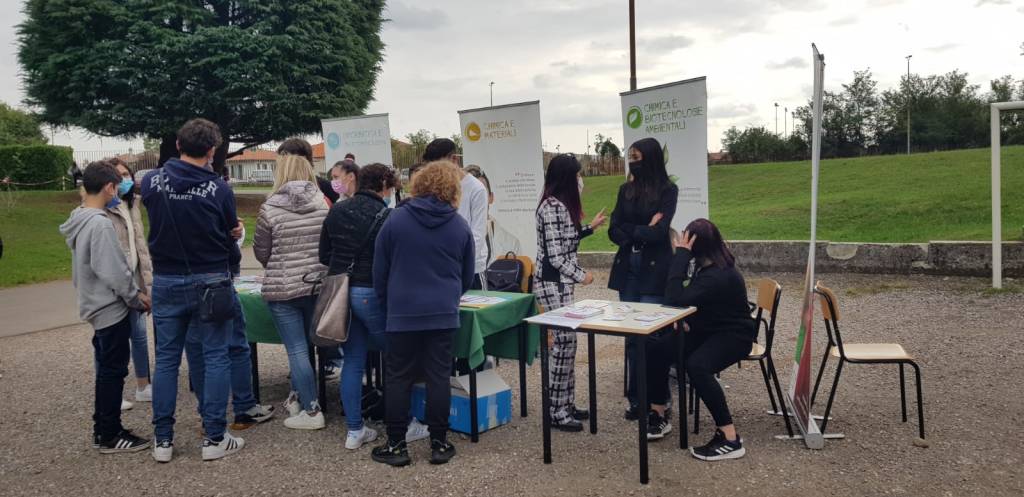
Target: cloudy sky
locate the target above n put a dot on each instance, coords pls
(572, 55)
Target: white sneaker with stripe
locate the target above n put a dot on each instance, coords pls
(229, 445)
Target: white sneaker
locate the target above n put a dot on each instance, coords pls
(163, 451)
(144, 395)
(226, 447)
(356, 439)
(291, 404)
(416, 431)
(303, 421)
(126, 406)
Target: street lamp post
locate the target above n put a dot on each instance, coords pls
(776, 119)
(785, 128)
(492, 93)
(632, 45)
(908, 103)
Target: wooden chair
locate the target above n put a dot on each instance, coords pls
(861, 353)
(769, 293)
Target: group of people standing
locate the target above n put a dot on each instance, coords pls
(407, 267)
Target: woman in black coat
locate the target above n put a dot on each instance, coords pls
(640, 226)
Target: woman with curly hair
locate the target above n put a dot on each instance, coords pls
(424, 261)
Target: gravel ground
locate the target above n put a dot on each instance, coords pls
(963, 336)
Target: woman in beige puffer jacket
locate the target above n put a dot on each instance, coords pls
(127, 220)
(286, 243)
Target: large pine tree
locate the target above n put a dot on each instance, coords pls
(261, 69)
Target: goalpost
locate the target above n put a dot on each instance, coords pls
(997, 214)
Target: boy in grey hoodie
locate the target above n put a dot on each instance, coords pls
(106, 291)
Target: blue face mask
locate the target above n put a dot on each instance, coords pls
(114, 202)
(125, 186)
(387, 201)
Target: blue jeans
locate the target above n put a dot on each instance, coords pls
(292, 319)
(366, 329)
(140, 344)
(632, 294)
(242, 398)
(176, 316)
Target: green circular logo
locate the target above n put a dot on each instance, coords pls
(634, 117)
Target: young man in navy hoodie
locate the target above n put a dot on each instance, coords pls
(191, 215)
(423, 262)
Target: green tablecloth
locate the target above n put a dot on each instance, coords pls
(259, 325)
(483, 331)
(492, 330)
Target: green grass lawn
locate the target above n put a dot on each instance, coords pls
(923, 197)
(940, 196)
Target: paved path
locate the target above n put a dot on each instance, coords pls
(44, 306)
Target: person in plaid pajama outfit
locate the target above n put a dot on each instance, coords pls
(559, 232)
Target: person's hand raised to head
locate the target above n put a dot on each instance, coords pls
(685, 240)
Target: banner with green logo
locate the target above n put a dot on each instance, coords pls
(505, 141)
(675, 114)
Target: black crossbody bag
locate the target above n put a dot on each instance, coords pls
(216, 296)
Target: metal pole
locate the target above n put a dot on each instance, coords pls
(997, 215)
(632, 45)
(908, 103)
(776, 119)
(492, 93)
(785, 128)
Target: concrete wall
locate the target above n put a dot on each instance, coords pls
(939, 257)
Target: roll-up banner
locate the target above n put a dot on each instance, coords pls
(505, 141)
(799, 395)
(675, 114)
(368, 138)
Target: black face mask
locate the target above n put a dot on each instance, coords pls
(635, 166)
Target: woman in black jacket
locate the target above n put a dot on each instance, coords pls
(347, 245)
(640, 226)
(719, 334)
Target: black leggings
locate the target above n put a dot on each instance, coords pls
(706, 356)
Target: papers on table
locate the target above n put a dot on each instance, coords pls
(479, 300)
(610, 316)
(249, 284)
(651, 317)
(577, 312)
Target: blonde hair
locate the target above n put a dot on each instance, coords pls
(292, 168)
(441, 179)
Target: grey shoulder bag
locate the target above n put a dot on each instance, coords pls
(331, 314)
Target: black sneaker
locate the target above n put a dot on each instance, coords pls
(570, 425)
(441, 451)
(658, 426)
(719, 449)
(632, 413)
(256, 414)
(96, 441)
(580, 414)
(123, 442)
(393, 455)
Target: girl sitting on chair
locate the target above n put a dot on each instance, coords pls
(703, 274)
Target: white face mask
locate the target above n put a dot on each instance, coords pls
(579, 182)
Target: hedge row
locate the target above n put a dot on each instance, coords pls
(35, 167)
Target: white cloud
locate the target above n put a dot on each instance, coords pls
(666, 43)
(943, 47)
(790, 63)
(408, 17)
